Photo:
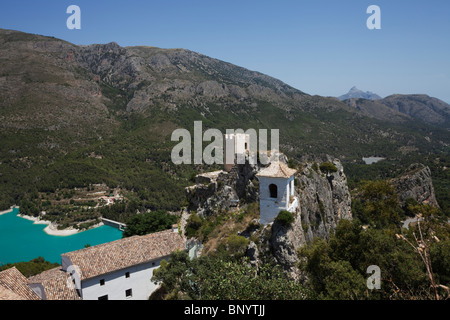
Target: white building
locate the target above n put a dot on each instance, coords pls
(121, 269)
(236, 145)
(276, 186)
(117, 270)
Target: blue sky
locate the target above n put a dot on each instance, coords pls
(320, 47)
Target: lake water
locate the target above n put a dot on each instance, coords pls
(21, 240)
(371, 160)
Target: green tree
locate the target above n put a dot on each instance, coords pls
(315, 260)
(342, 282)
(149, 222)
(378, 205)
(440, 260)
(328, 167)
(237, 245)
(422, 238)
(210, 278)
(345, 244)
(333, 265)
(31, 268)
(29, 208)
(172, 274)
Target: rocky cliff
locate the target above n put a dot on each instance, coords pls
(416, 184)
(222, 190)
(324, 201)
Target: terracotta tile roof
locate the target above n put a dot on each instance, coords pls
(13, 284)
(6, 294)
(123, 253)
(57, 284)
(277, 169)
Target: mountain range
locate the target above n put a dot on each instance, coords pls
(73, 115)
(359, 94)
(401, 108)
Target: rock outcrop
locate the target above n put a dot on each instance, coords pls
(324, 201)
(223, 191)
(416, 184)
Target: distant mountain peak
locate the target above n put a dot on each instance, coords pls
(354, 92)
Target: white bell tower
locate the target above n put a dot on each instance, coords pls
(276, 191)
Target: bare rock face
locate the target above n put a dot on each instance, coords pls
(221, 190)
(285, 242)
(416, 184)
(324, 201)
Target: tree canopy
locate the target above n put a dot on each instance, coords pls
(149, 222)
(212, 278)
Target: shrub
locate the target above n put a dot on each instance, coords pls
(237, 245)
(194, 223)
(327, 168)
(285, 218)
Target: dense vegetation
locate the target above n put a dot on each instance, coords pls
(337, 268)
(149, 222)
(212, 278)
(32, 267)
(358, 173)
(414, 261)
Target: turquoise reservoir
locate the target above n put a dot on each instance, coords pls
(21, 240)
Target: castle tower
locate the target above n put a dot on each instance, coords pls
(276, 191)
(236, 144)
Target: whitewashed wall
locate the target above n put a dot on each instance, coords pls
(270, 207)
(116, 283)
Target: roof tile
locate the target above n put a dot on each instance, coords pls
(57, 284)
(12, 281)
(126, 252)
(277, 169)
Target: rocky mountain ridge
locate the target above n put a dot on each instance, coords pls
(43, 79)
(355, 93)
(402, 108)
(61, 103)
